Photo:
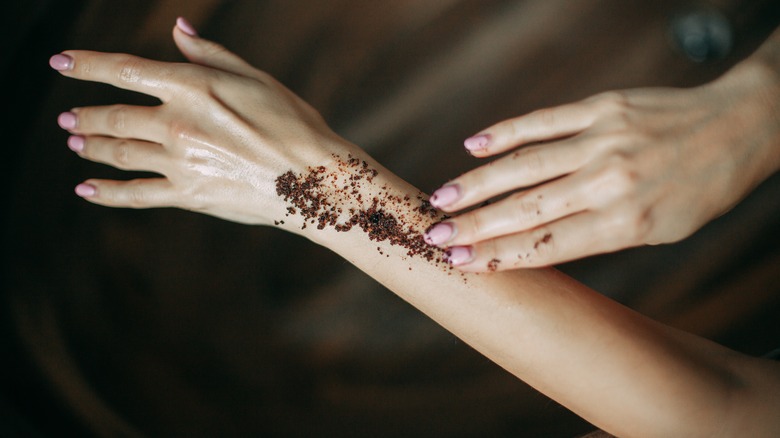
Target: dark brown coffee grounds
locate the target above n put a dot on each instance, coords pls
(318, 196)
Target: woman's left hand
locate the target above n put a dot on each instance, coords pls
(222, 134)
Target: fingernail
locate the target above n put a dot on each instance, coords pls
(477, 142)
(85, 190)
(439, 233)
(76, 143)
(445, 196)
(61, 62)
(186, 27)
(459, 255)
(67, 120)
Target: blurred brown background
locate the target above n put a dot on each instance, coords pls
(166, 323)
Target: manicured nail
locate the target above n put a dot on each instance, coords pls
(67, 120)
(460, 255)
(186, 27)
(76, 143)
(440, 233)
(477, 142)
(85, 190)
(445, 196)
(61, 62)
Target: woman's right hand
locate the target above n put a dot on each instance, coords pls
(222, 134)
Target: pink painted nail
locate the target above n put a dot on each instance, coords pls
(67, 120)
(61, 62)
(186, 27)
(460, 255)
(85, 190)
(477, 142)
(439, 233)
(445, 196)
(76, 143)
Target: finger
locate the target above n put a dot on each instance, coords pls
(137, 193)
(518, 212)
(540, 125)
(121, 70)
(571, 238)
(208, 53)
(523, 168)
(120, 121)
(120, 153)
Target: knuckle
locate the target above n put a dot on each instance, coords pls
(469, 226)
(542, 247)
(525, 208)
(635, 224)
(619, 177)
(116, 119)
(131, 69)
(121, 154)
(135, 196)
(531, 159)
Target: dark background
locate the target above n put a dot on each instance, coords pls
(166, 323)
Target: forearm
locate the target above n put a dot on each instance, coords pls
(605, 362)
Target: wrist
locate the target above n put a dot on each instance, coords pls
(351, 197)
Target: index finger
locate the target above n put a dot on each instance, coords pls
(121, 70)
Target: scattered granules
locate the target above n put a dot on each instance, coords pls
(318, 196)
(544, 239)
(492, 265)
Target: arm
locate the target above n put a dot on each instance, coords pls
(617, 170)
(231, 142)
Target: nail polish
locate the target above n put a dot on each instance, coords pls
(439, 233)
(186, 27)
(85, 190)
(459, 255)
(61, 62)
(477, 142)
(76, 143)
(445, 195)
(67, 120)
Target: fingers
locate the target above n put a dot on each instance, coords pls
(540, 125)
(121, 70)
(208, 53)
(552, 244)
(518, 212)
(138, 193)
(121, 121)
(523, 168)
(120, 153)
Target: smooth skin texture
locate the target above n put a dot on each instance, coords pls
(617, 170)
(224, 131)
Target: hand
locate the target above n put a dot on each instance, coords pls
(617, 170)
(221, 135)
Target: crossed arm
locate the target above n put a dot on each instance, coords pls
(230, 141)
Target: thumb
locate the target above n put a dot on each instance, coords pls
(208, 53)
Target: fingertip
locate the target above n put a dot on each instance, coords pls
(185, 26)
(61, 62)
(446, 196)
(459, 256)
(86, 190)
(478, 143)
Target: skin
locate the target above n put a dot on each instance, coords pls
(617, 170)
(223, 133)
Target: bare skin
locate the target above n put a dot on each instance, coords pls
(617, 170)
(225, 132)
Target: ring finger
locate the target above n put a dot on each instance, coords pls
(120, 121)
(120, 153)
